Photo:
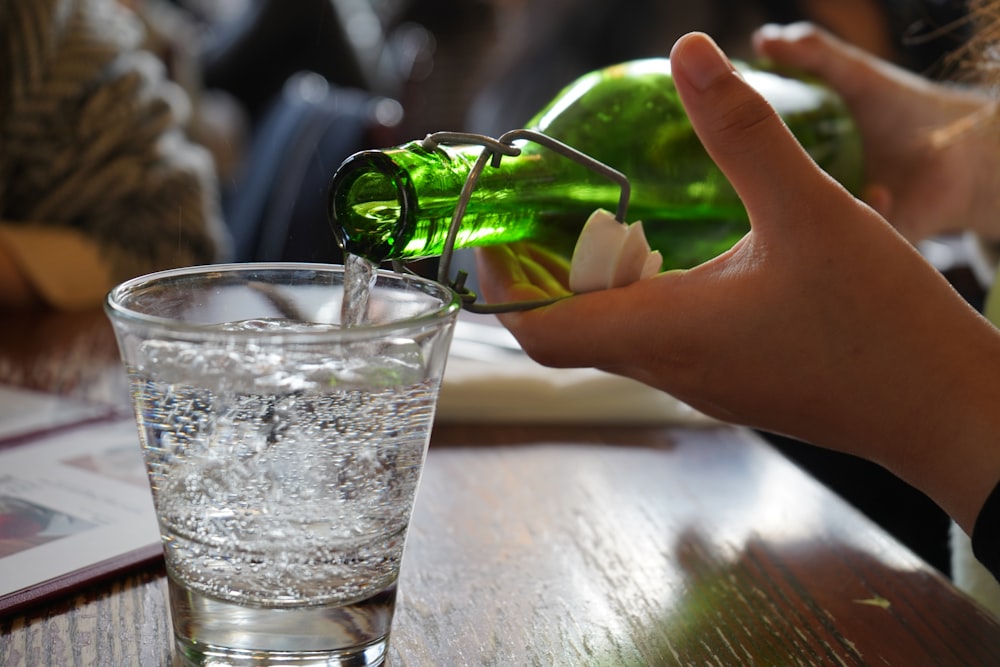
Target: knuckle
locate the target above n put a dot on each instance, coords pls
(743, 119)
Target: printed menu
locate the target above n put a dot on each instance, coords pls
(24, 413)
(74, 503)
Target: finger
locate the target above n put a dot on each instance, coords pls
(539, 276)
(502, 277)
(508, 275)
(745, 137)
(553, 263)
(807, 47)
(582, 330)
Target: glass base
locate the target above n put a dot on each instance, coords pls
(214, 656)
(214, 633)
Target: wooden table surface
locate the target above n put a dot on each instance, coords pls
(568, 545)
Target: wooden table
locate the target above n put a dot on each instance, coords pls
(569, 545)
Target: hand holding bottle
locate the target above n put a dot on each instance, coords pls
(932, 152)
(822, 323)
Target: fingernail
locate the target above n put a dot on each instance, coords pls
(789, 32)
(701, 60)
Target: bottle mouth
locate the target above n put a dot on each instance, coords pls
(368, 205)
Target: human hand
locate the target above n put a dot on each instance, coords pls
(822, 323)
(932, 153)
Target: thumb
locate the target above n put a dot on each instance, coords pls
(743, 134)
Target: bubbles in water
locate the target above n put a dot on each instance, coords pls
(260, 366)
(283, 476)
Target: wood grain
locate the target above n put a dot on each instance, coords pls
(704, 549)
(566, 545)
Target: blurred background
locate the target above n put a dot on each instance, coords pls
(284, 90)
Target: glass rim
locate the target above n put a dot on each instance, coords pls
(450, 303)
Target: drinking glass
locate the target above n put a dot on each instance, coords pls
(283, 450)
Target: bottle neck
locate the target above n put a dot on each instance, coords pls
(398, 203)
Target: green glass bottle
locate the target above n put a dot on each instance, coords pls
(398, 203)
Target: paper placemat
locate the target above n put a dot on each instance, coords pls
(489, 378)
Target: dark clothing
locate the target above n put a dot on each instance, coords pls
(986, 534)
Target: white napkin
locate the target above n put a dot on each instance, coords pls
(489, 378)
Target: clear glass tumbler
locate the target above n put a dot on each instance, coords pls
(283, 451)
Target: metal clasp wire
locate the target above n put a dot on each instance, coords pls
(493, 152)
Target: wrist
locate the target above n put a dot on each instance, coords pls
(956, 460)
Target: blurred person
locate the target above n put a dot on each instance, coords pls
(217, 120)
(98, 181)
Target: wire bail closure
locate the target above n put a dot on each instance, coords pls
(493, 151)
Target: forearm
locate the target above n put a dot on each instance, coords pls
(955, 453)
(933, 148)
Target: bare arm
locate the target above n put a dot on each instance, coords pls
(932, 150)
(823, 323)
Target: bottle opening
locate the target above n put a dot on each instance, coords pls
(368, 205)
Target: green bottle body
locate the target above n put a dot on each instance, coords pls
(398, 203)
